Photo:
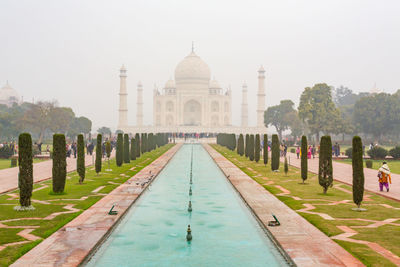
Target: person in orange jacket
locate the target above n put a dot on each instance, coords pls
(384, 177)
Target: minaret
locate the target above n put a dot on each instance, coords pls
(245, 111)
(123, 99)
(139, 112)
(261, 98)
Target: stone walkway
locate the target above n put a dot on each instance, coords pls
(66, 247)
(305, 244)
(41, 171)
(343, 172)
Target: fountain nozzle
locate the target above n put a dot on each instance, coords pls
(189, 234)
(190, 191)
(190, 206)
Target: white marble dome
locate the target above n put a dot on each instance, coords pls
(214, 84)
(192, 68)
(170, 84)
(8, 95)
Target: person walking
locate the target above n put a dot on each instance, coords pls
(298, 152)
(384, 177)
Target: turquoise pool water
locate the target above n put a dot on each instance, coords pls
(153, 232)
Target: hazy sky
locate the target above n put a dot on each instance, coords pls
(72, 50)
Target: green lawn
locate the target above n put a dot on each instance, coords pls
(311, 193)
(55, 203)
(6, 163)
(394, 165)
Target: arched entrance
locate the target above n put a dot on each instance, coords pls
(192, 113)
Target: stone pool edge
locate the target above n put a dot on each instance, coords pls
(303, 243)
(75, 242)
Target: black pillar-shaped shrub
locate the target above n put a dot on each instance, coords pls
(120, 150)
(133, 149)
(240, 147)
(286, 166)
(99, 153)
(25, 175)
(304, 161)
(80, 162)
(325, 172)
(251, 147)
(126, 149)
(265, 149)
(59, 170)
(137, 141)
(246, 149)
(358, 171)
(275, 153)
(257, 147)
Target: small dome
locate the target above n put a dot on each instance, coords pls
(214, 84)
(169, 84)
(8, 95)
(192, 68)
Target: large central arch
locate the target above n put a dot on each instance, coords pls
(192, 113)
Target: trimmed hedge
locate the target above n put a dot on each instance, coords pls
(358, 171)
(59, 170)
(240, 146)
(251, 147)
(369, 164)
(133, 149)
(286, 166)
(349, 152)
(25, 175)
(80, 162)
(377, 152)
(325, 172)
(246, 149)
(395, 152)
(126, 149)
(265, 149)
(120, 150)
(138, 149)
(99, 153)
(257, 146)
(303, 159)
(275, 153)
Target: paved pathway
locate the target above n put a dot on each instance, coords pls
(304, 243)
(343, 172)
(41, 171)
(67, 247)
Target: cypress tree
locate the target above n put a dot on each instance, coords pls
(246, 149)
(143, 145)
(25, 175)
(257, 148)
(59, 170)
(325, 172)
(275, 153)
(99, 153)
(265, 149)
(137, 141)
(286, 166)
(240, 148)
(251, 147)
(233, 140)
(120, 150)
(358, 171)
(133, 149)
(304, 161)
(80, 162)
(108, 149)
(126, 149)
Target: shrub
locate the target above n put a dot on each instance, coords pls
(349, 152)
(325, 171)
(138, 148)
(133, 149)
(14, 162)
(126, 149)
(303, 159)
(120, 150)
(292, 150)
(358, 171)
(377, 152)
(108, 149)
(257, 148)
(25, 176)
(80, 162)
(286, 166)
(59, 163)
(265, 149)
(99, 153)
(246, 149)
(240, 147)
(369, 164)
(6, 152)
(275, 153)
(395, 152)
(251, 147)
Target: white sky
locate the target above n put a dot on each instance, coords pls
(72, 50)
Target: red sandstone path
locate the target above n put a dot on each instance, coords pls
(343, 172)
(41, 171)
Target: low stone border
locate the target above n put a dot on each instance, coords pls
(305, 244)
(72, 244)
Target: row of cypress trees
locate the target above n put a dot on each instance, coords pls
(227, 140)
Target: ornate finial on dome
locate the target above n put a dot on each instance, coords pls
(123, 67)
(261, 69)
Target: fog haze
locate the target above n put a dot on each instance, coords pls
(72, 50)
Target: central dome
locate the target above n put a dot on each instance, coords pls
(192, 68)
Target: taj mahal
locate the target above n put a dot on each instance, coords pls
(191, 103)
